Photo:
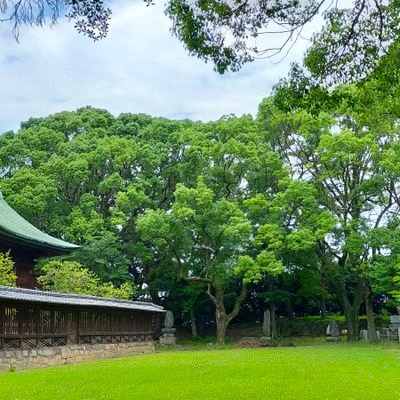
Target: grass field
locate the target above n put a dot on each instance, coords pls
(311, 372)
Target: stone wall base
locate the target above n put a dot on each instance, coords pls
(50, 356)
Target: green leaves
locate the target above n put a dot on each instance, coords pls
(254, 270)
(72, 277)
(7, 273)
(340, 209)
(309, 187)
(154, 226)
(396, 280)
(226, 34)
(301, 239)
(271, 236)
(352, 41)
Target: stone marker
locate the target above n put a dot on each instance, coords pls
(267, 323)
(395, 319)
(394, 327)
(168, 332)
(266, 326)
(385, 333)
(169, 320)
(364, 334)
(332, 331)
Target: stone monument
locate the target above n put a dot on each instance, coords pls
(332, 331)
(394, 327)
(266, 327)
(364, 334)
(168, 332)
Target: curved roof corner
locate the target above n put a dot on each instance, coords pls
(18, 229)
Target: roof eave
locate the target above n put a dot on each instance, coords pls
(21, 295)
(36, 243)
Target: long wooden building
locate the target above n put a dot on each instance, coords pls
(36, 319)
(31, 318)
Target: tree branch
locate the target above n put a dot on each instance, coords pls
(238, 303)
(206, 281)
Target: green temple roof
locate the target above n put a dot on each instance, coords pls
(18, 229)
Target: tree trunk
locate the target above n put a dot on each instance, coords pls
(289, 308)
(369, 302)
(221, 329)
(323, 307)
(273, 321)
(193, 322)
(352, 312)
(351, 309)
(223, 319)
(220, 315)
(352, 315)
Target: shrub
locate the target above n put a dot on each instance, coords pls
(7, 273)
(72, 277)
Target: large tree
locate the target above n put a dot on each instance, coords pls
(66, 174)
(207, 239)
(346, 147)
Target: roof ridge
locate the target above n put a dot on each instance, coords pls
(42, 293)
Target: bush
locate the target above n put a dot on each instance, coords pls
(72, 277)
(7, 273)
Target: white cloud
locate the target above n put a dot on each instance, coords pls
(139, 67)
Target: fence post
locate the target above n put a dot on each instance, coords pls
(77, 317)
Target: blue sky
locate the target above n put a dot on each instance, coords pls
(138, 68)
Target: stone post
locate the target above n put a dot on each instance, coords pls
(168, 332)
(332, 331)
(364, 335)
(394, 327)
(266, 326)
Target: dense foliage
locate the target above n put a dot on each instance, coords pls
(295, 210)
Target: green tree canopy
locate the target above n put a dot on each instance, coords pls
(287, 211)
(207, 240)
(346, 151)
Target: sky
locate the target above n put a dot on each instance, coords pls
(138, 68)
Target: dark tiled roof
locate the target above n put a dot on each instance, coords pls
(38, 296)
(15, 227)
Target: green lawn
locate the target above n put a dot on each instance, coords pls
(321, 372)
